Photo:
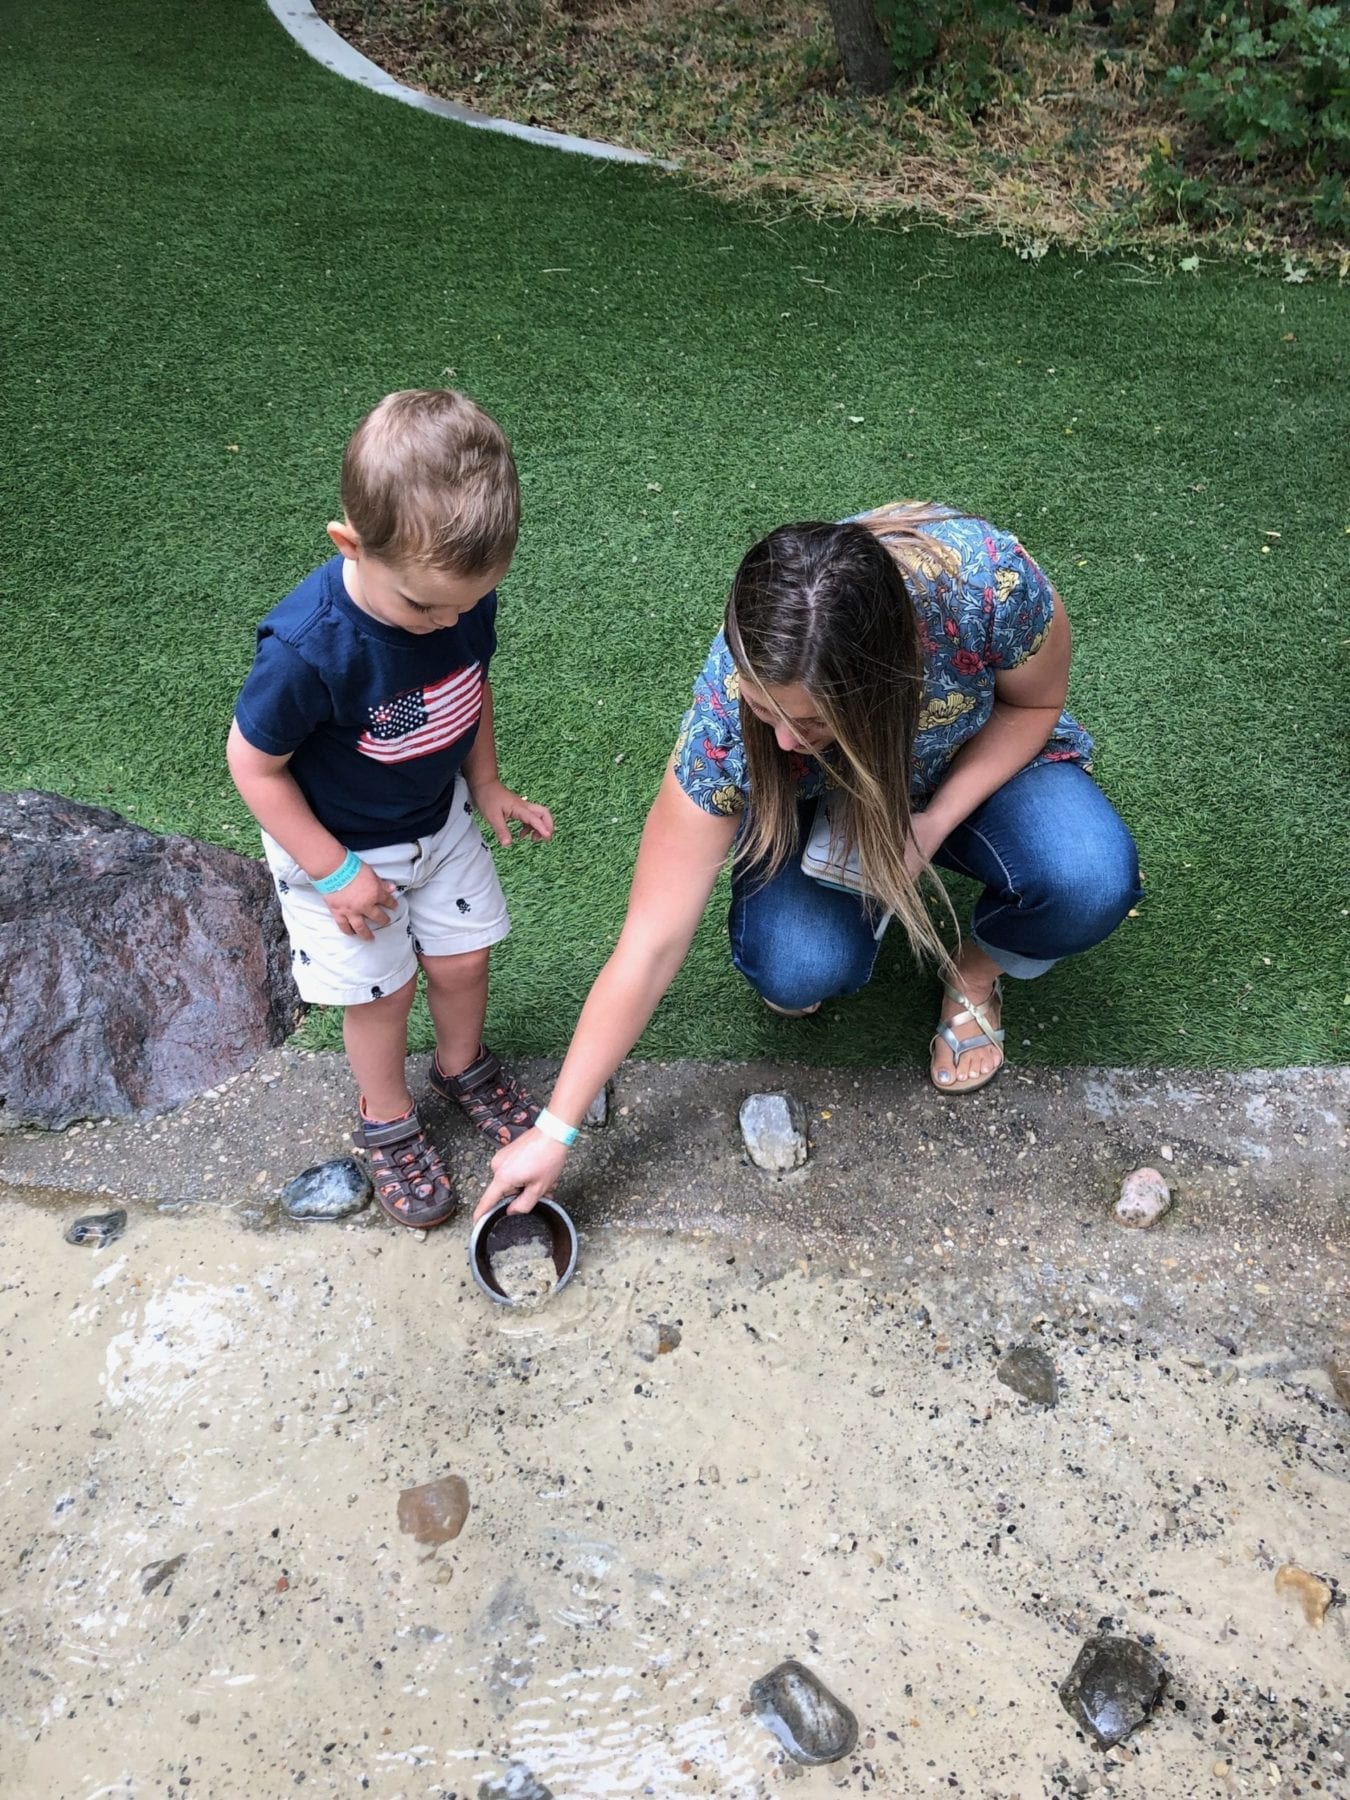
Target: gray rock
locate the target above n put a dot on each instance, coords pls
(1029, 1371)
(135, 970)
(802, 1713)
(516, 1784)
(1338, 1367)
(329, 1190)
(1144, 1198)
(98, 1229)
(1112, 1688)
(596, 1115)
(773, 1127)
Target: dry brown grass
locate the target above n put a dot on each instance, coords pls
(748, 96)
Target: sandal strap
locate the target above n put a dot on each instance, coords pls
(491, 1096)
(483, 1070)
(387, 1134)
(959, 1046)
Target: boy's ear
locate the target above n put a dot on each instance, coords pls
(345, 540)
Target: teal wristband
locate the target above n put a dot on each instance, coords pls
(345, 873)
(556, 1128)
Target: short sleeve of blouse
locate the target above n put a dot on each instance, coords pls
(709, 757)
(1024, 604)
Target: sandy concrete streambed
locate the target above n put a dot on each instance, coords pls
(708, 1454)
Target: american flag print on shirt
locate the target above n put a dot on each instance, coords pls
(425, 719)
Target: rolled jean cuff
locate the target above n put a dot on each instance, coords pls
(1021, 968)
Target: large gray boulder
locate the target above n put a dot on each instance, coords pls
(135, 970)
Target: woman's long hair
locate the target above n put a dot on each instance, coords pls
(827, 606)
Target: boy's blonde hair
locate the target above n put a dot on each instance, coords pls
(428, 478)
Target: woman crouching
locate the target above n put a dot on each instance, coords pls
(886, 697)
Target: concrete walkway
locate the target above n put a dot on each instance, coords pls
(1007, 1193)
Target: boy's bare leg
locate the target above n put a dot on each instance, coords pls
(376, 1036)
(457, 989)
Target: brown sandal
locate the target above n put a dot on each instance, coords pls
(407, 1173)
(490, 1097)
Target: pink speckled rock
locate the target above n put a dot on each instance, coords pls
(1144, 1198)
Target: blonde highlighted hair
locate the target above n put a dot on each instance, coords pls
(827, 606)
(428, 479)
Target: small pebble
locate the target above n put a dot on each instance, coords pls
(651, 1338)
(1312, 1594)
(435, 1512)
(1029, 1371)
(155, 1575)
(516, 1784)
(1144, 1198)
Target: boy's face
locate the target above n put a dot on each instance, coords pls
(415, 598)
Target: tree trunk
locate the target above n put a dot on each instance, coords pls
(862, 48)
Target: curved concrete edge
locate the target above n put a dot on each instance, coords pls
(320, 41)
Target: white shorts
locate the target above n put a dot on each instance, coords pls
(449, 903)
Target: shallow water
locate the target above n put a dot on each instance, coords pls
(816, 1469)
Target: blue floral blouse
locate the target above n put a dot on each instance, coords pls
(992, 614)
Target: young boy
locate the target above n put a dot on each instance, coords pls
(362, 741)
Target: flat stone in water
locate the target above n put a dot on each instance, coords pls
(773, 1129)
(801, 1712)
(329, 1190)
(1029, 1371)
(516, 1784)
(154, 1575)
(651, 1338)
(1112, 1688)
(435, 1512)
(98, 1229)
(1144, 1198)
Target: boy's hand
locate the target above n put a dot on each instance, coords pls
(367, 900)
(499, 806)
(529, 1168)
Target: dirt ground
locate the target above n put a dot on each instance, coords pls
(823, 1466)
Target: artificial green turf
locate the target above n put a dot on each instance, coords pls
(217, 255)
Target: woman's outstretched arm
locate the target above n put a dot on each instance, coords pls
(681, 852)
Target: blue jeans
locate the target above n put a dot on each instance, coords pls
(1058, 867)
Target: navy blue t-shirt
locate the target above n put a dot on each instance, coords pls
(377, 721)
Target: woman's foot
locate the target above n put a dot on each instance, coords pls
(967, 1047)
(792, 1012)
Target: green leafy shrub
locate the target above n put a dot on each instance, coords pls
(1270, 81)
(954, 47)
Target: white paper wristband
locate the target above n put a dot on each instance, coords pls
(557, 1129)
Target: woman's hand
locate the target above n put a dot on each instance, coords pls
(498, 806)
(529, 1168)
